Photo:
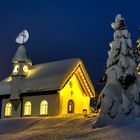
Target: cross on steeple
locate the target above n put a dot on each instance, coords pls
(24, 36)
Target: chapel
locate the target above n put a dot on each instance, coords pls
(48, 89)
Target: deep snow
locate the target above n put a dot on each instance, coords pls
(66, 127)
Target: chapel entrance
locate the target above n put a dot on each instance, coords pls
(70, 106)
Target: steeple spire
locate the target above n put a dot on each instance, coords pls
(21, 56)
(21, 62)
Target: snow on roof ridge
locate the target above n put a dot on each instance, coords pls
(57, 61)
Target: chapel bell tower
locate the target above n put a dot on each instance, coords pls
(21, 65)
(21, 62)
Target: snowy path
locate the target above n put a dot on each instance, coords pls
(70, 127)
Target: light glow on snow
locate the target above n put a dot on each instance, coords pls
(9, 79)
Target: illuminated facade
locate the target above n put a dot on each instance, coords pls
(48, 89)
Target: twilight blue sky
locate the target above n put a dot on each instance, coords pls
(64, 29)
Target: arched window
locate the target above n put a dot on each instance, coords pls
(27, 108)
(70, 106)
(8, 109)
(44, 107)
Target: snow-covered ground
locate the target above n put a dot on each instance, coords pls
(66, 127)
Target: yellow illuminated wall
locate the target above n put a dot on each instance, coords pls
(73, 91)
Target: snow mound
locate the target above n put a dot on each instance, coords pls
(75, 127)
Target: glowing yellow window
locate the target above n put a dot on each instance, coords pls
(8, 109)
(44, 107)
(16, 69)
(27, 108)
(25, 68)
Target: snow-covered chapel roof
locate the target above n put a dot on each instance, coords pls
(44, 77)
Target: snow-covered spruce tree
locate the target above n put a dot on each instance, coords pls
(120, 96)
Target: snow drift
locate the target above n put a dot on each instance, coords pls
(64, 128)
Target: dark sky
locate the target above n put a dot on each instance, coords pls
(64, 29)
